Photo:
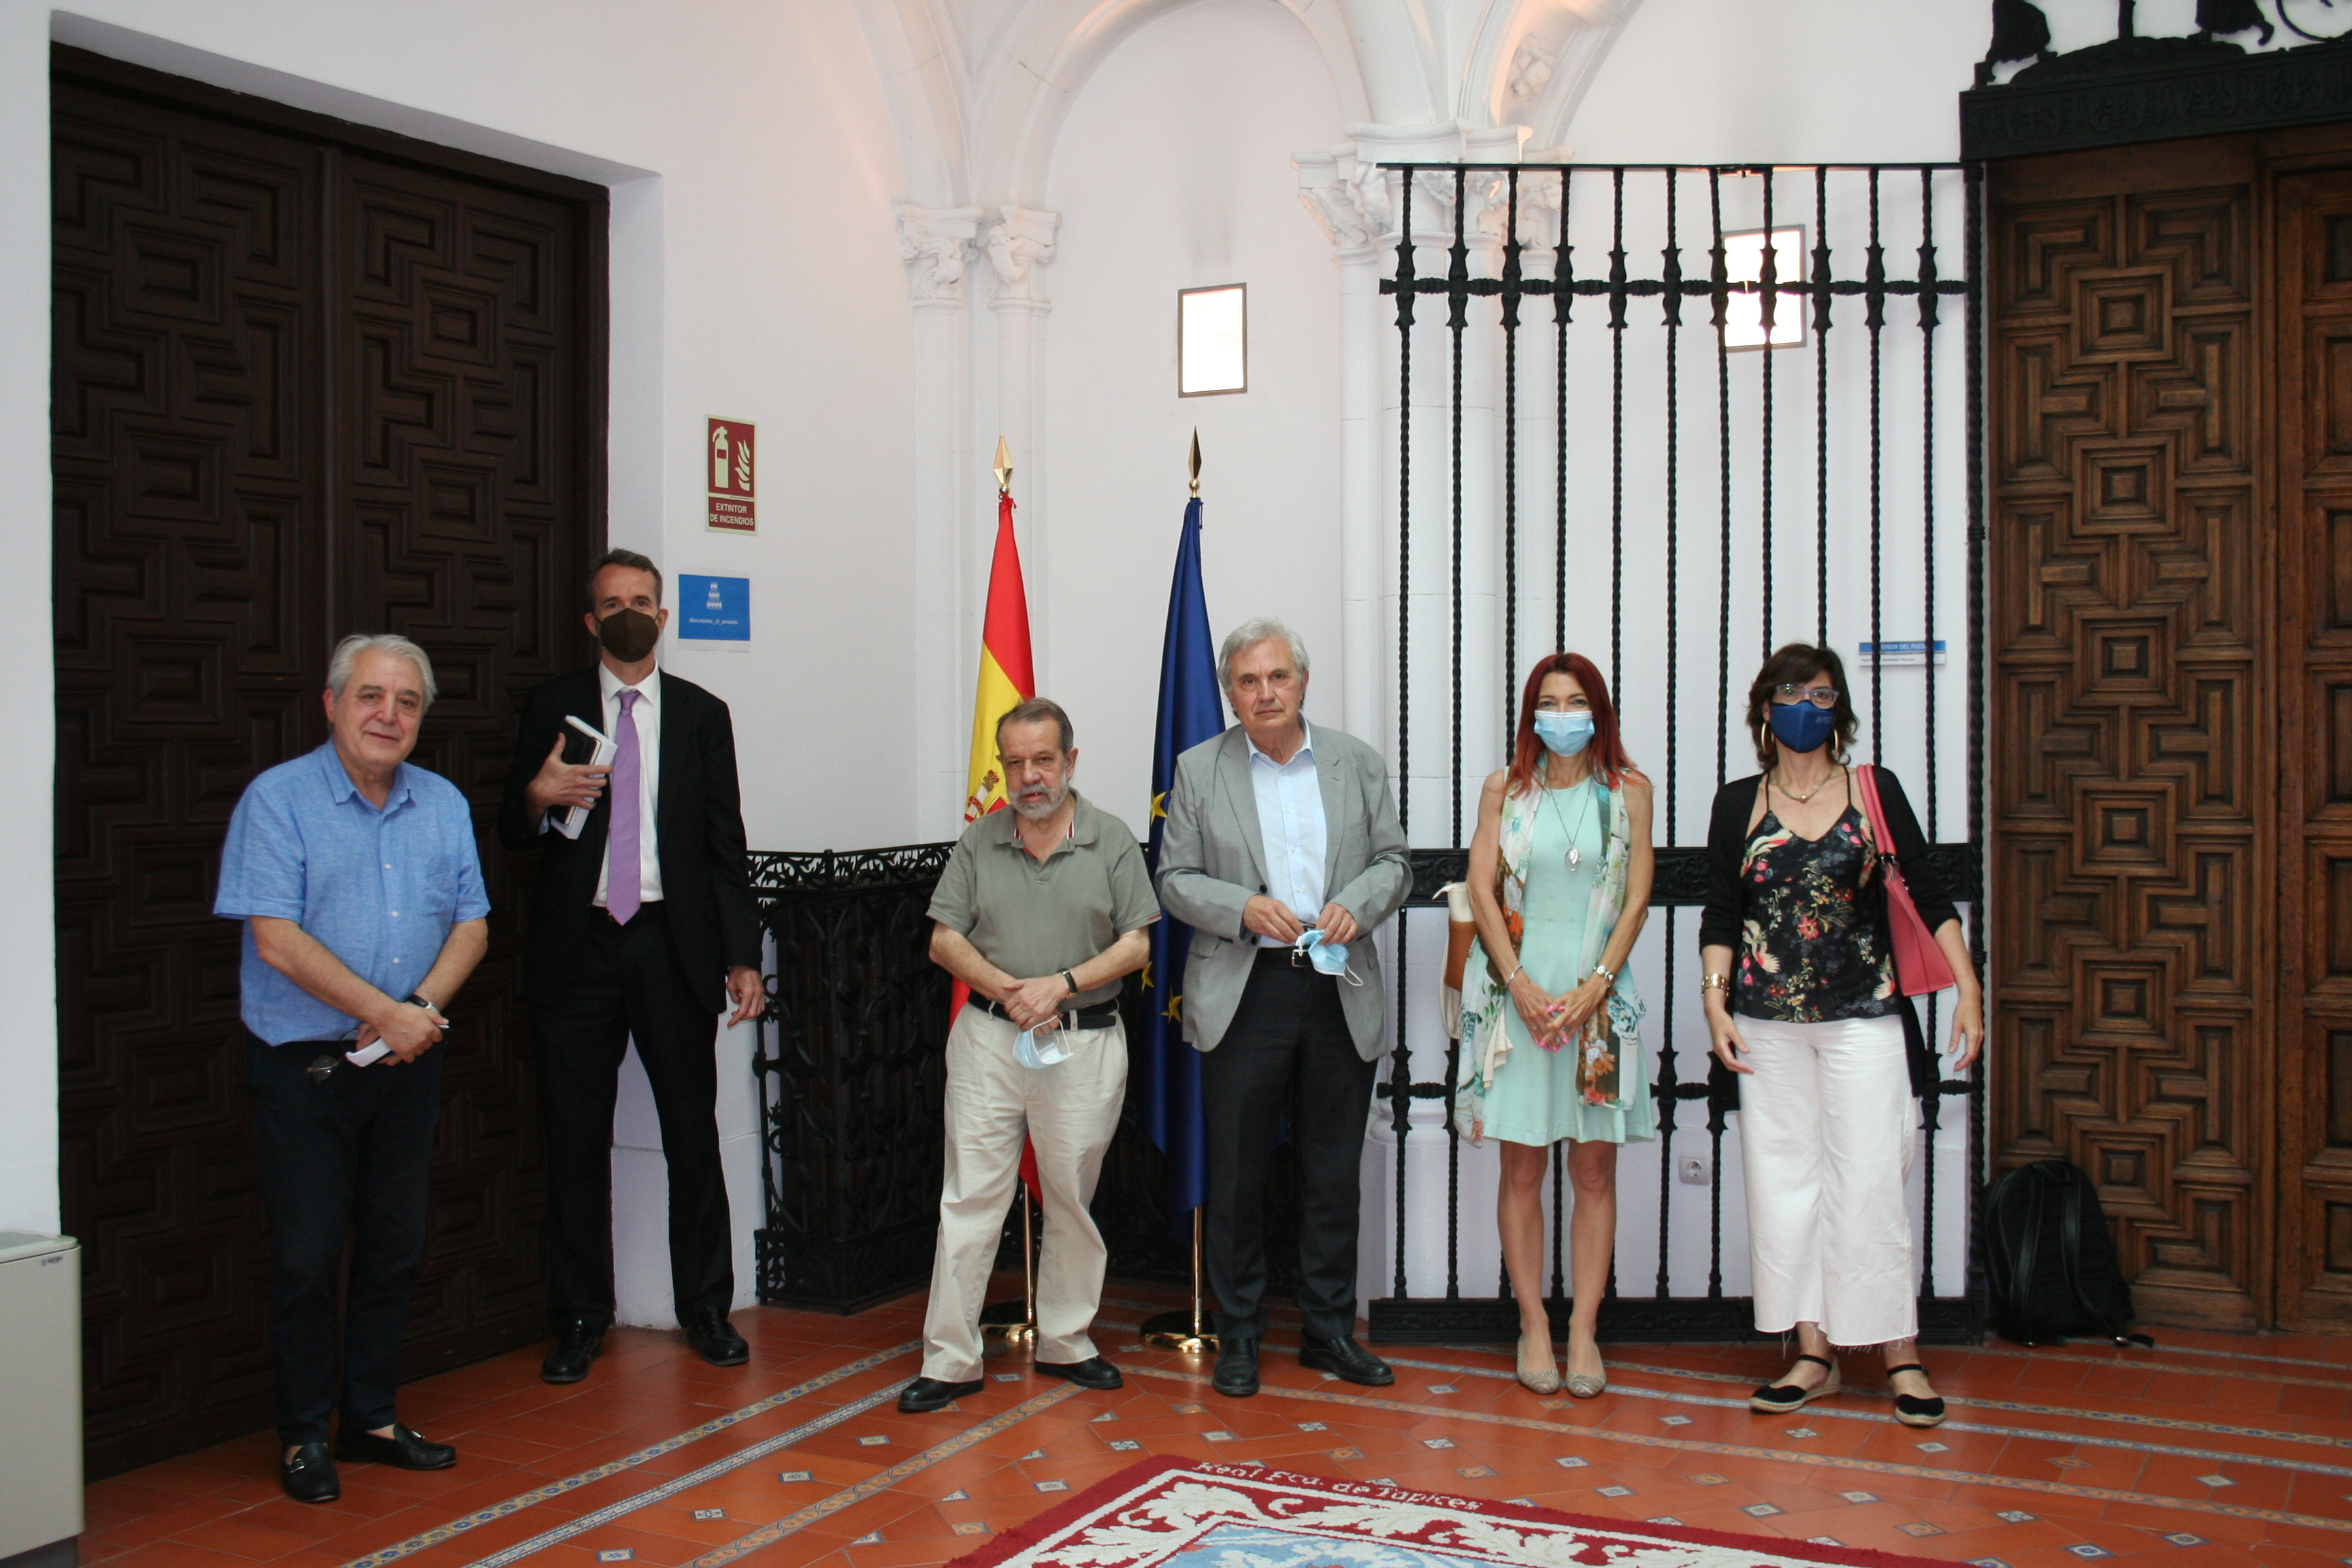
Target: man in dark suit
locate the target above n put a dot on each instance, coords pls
(642, 929)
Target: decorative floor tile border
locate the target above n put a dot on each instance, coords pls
(1745, 1451)
(514, 1505)
(800, 1519)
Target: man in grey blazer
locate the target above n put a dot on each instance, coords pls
(1283, 853)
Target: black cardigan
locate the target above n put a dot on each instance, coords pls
(1720, 923)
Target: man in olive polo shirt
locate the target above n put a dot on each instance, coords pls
(1040, 910)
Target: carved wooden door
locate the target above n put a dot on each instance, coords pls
(2171, 552)
(2133, 817)
(2314, 276)
(307, 380)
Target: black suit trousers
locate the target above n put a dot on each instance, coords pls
(343, 1158)
(627, 985)
(1287, 1048)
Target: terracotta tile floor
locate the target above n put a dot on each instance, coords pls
(2214, 1449)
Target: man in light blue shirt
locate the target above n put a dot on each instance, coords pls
(357, 879)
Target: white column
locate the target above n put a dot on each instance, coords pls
(936, 243)
(1020, 245)
(1350, 203)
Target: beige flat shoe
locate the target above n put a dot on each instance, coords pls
(1538, 1372)
(1588, 1385)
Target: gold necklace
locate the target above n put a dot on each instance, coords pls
(1808, 796)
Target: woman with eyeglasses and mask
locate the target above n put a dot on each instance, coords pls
(1798, 979)
(1560, 869)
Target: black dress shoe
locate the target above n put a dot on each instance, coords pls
(310, 1475)
(1345, 1357)
(1236, 1374)
(926, 1394)
(576, 1344)
(708, 1331)
(403, 1449)
(1092, 1372)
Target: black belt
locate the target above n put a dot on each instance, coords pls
(1286, 958)
(1100, 1016)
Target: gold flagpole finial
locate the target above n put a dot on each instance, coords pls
(1196, 460)
(1004, 468)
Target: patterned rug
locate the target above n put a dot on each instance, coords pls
(1176, 1513)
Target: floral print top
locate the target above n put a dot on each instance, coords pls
(1813, 947)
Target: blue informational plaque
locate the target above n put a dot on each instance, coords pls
(714, 609)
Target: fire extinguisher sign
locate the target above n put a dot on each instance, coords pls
(730, 473)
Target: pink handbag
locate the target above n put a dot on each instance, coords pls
(1920, 966)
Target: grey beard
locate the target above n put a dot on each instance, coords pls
(1043, 809)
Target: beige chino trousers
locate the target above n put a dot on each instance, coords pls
(1069, 1110)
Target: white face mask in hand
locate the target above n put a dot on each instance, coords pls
(1327, 957)
(1029, 1053)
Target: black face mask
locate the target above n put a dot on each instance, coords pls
(628, 635)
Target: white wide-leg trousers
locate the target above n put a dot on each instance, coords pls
(1827, 1133)
(1069, 1110)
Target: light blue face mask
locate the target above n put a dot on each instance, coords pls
(1565, 734)
(1327, 957)
(1029, 1053)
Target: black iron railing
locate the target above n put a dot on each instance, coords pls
(1857, 410)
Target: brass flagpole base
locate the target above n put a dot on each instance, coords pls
(1015, 1322)
(1185, 1331)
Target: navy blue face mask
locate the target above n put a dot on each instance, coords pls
(1801, 727)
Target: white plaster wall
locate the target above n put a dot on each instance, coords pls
(1173, 171)
(755, 275)
(1707, 81)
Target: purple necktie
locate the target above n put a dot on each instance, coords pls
(624, 871)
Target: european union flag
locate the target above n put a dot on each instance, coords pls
(1190, 711)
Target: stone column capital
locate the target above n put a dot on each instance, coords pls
(935, 243)
(1020, 247)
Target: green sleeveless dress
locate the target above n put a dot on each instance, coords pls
(1534, 1098)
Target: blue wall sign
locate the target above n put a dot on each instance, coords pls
(714, 609)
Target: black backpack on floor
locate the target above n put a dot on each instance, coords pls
(2049, 1261)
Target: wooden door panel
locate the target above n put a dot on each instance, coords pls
(2127, 824)
(461, 367)
(304, 384)
(190, 481)
(2315, 971)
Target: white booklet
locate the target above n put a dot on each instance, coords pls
(577, 817)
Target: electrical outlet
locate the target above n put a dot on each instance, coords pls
(1695, 1169)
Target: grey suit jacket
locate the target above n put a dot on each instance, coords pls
(1212, 861)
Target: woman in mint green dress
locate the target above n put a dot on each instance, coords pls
(1560, 870)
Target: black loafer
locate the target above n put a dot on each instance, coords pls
(1236, 1374)
(310, 1475)
(1092, 1372)
(404, 1450)
(926, 1394)
(708, 1331)
(577, 1343)
(1343, 1357)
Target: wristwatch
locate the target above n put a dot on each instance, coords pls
(1071, 981)
(413, 1000)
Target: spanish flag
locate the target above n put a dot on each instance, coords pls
(1007, 679)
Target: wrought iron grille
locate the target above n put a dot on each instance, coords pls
(1652, 468)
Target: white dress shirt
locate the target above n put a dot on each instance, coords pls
(1290, 824)
(646, 716)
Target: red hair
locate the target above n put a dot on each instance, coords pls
(1606, 751)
